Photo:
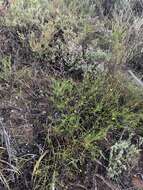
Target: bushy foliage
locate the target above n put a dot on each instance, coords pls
(123, 157)
(66, 96)
(84, 115)
(65, 32)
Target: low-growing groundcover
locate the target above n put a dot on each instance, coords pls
(73, 124)
(70, 116)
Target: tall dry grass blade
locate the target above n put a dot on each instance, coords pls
(4, 181)
(38, 164)
(6, 140)
(136, 79)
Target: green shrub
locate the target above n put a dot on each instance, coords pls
(97, 104)
(124, 157)
(83, 115)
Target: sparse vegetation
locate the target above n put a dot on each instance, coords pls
(71, 114)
